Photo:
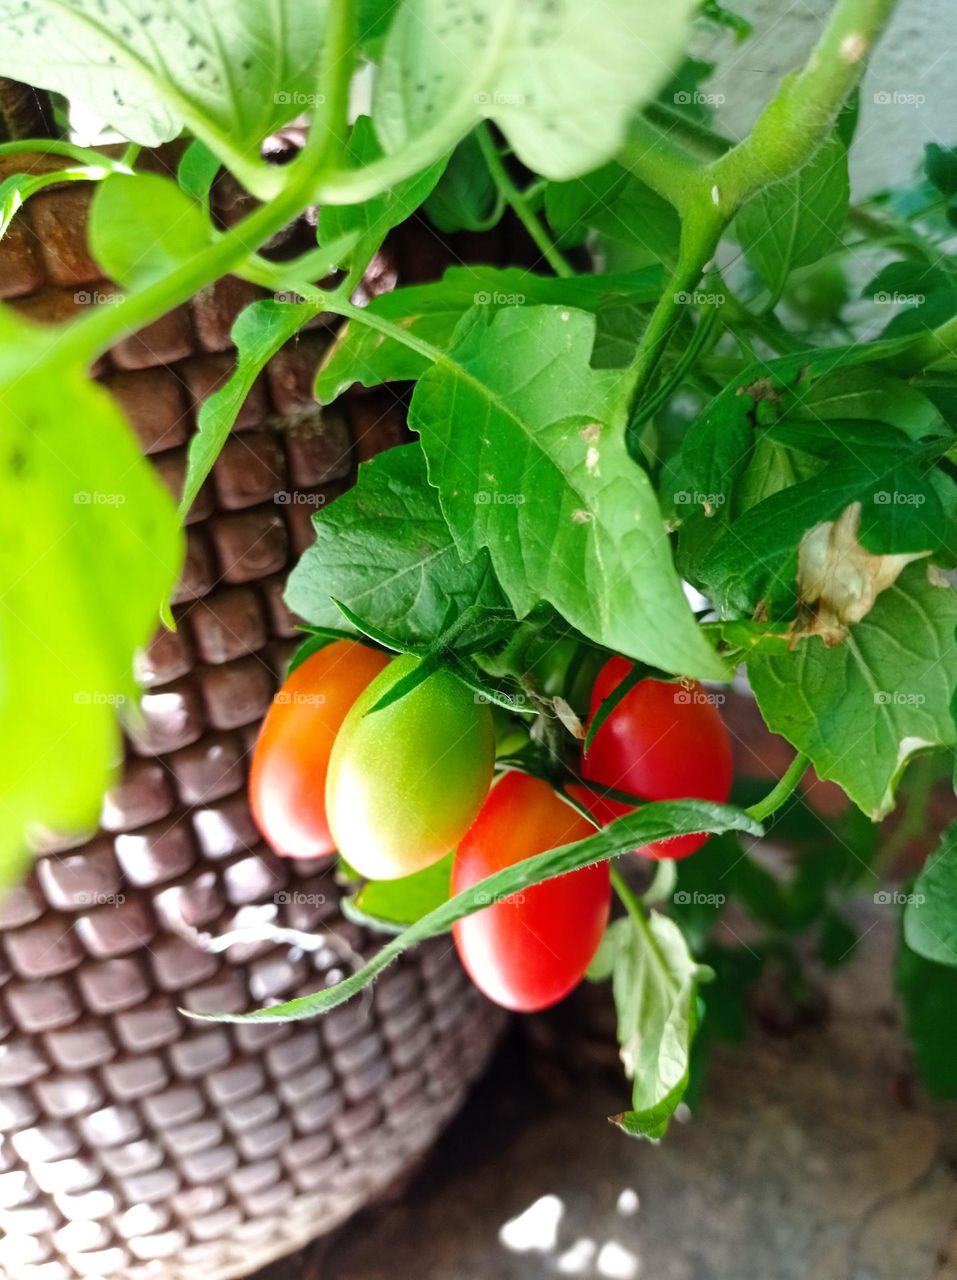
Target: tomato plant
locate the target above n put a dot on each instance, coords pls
(287, 780)
(660, 742)
(406, 780)
(665, 394)
(528, 950)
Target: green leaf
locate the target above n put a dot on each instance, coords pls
(725, 998)
(197, 171)
(521, 441)
(717, 445)
(796, 221)
(837, 939)
(617, 204)
(258, 333)
(409, 898)
(373, 18)
(756, 559)
(609, 703)
(384, 547)
(431, 313)
(562, 90)
(142, 226)
(465, 197)
(861, 709)
(771, 468)
(924, 295)
(89, 547)
(702, 888)
(869, 394)
(14, 191)
(17, 188)
(654, 982)
(930, 913)
(373, 218)
(928, 993)
(619, 324)
(940, 165)
(650, 822)
(722, 16)
(231, 75)
(364, 627)
(312, 644)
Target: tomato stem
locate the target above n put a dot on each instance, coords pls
(627, 896)
(782, 790)
(518, 200)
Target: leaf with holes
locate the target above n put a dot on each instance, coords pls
(560, 81)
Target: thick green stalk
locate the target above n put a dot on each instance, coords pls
(802, 113)
(670, 171)
(700, 234)
(787, 133)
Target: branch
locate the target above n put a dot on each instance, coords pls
(785, 136)
(802, 113)
(782, 790)
(668, 169)
(519, 202)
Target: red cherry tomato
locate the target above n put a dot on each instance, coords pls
(662, 742)
(287, 783)
(528, 951)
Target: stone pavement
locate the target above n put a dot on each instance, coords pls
(813, 1157)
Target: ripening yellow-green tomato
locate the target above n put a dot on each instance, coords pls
(405, 782)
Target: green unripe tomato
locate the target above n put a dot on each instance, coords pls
(404, 783)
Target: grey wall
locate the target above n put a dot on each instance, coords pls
(909, 95)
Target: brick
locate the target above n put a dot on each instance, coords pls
(155, 402)
(60, 221)
(250, 469)
(228, 624)
(250, 545)
(143, 793)
(163, 342)
(217, 306)
(236, 693)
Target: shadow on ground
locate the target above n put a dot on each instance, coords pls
(812, 1157)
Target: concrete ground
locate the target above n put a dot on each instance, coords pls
(812, 1157)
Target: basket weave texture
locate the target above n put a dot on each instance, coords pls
(133, 1142)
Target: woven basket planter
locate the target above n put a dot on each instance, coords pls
(133, 1142)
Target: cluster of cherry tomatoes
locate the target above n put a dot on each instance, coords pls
(394, 791)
